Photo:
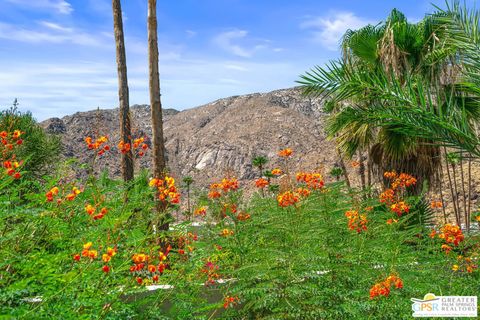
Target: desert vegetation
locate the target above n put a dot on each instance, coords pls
(403, 106)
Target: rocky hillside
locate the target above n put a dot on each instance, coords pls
(218, 138)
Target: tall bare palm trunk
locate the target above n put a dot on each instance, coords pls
(124, 109)
(344, 168)
(361, 169)
(465, 200)
(469, 208)
(456, 208)
(159, 164)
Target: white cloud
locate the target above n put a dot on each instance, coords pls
(229, 42)
(59, 6)
(328, 30)
(190, 33)
(226, 40)
(51, 33)
(55, 26)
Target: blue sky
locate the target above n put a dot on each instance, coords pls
(58, 56)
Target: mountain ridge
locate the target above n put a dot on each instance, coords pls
(220, 137)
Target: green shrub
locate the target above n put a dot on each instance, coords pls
(40, 151)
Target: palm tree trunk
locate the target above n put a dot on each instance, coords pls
(440, 181)
(159, 164)
(344, 168)
(462, 175)
(369, 171)
(454, 198)
(469, 208)
(124, 109)
(361, 169)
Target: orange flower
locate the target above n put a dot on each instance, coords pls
(152, 268)
(355, 164)
(400, 208)
(287, 198)
(226, 233)
(356, 221)
(436, 204)
(140, 258)
(451, 234)
(166, 190)
(383, 288)
(285, 152)
(90, 209)
(202, 211)
(387, 196)
(303, 192)
(92, 254)
(106, 257)
(276, 172)
(391, 221)
(390, 175)
(111, 251)
(261, 183)
(312, 180)
(243, 216)
(214, 194)
(229, 301)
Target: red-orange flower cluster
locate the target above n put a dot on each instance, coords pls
(312, 180)
(464, 264)
(166, 190)
(11, 169)
(288, 198)
(210, 269)
(202, 211)
(54, 194)
(145, 267)
(92, 254)
(99, 144)
(392, 197)
(10, 140)
(139, 147)
(285, 152)
(383, 288)
(356, 221)
(400, 208)
(225, 186)
(276, 172)
(261, 183)
(435, 204)
(230, 301)
(402, 180)
(91, 210)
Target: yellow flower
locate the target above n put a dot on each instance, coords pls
(87, 245)
(455, 267)
(106, 257)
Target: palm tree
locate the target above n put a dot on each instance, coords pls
(159, 163)
(259, 162)
(124, 109)
(389, 51)
(441, 106)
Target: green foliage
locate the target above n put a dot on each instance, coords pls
(282, 263)
(40, 150)
(336, 172)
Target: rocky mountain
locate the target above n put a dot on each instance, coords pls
(215, 139)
